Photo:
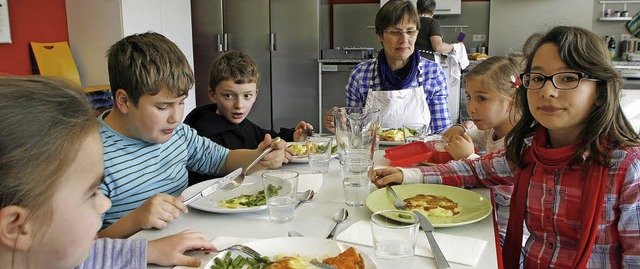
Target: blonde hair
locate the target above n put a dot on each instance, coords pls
(43, 122)
(499, 73)
(233, 65)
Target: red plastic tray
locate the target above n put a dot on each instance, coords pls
(408, 154)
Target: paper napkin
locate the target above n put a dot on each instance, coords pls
(310, 182)
(458, 249)
(220, 242)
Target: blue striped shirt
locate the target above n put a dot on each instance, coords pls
(364, 78)
(135, 170)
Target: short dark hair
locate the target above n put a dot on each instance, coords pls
(233, 65)
(393, 12)
(145, 64)
(426, 6)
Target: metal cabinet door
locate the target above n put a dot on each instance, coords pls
(206, 17)
(246, 26)
(295, 25)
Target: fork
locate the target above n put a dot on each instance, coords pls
(399, 204)
(247, 250)
(238, 180)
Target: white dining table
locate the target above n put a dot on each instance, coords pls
(315, 219)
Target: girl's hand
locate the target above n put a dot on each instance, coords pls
(169, 251)
(384, 176)
(460, 147)
(299, 135)
(158, 211)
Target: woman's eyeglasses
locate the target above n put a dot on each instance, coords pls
(560, 80)
(399, 33)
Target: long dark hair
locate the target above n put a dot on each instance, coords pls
(583, 51)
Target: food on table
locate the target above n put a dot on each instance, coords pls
(396, 135)
(478, 56)
(249, 200)
(301, 148)
(348, 259)
(433, 205)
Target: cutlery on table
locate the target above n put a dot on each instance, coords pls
(340, 217)
(441, 261)
(308, 132)
(308, 195)
(238, 181)
(322, 265)
(214, 186)
(399, 204)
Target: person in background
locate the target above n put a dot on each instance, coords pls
(404, 86)
(148, 151)
(573, 158)
(233, 89)
(429, 38)
(50, 175)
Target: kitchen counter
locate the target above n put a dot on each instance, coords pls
(341, 61)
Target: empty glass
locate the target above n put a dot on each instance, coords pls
(414, 132)
(394, 241)
(319, 153)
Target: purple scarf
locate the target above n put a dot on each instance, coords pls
(389, 79)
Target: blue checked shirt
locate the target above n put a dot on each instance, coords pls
(430, 77)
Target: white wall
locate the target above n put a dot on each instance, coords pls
(96, 25)
(512, 21)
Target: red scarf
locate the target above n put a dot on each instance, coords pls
(538, 155)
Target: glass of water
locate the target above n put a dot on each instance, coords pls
(319, 153)
(280, 190)
(357, 170)
(394, 237)
(414, 132)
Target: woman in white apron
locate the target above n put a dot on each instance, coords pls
(404, 86)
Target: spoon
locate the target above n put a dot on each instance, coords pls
(308, 195)
(238, 181)
(340, 217)
(295, 234)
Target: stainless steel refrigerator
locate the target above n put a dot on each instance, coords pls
(282, 36)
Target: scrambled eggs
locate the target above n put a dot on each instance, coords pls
(433, 205)
(396, 134)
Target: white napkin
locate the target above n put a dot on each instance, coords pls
(309, 182)
(458, 249)
(220, 242)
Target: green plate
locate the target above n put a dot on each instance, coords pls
(474, 206)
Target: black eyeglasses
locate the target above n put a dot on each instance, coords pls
(398, 33)
(560, 80)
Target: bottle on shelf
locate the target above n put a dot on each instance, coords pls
(612, 47)
(482, 48)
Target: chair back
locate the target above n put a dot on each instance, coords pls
(55, 60)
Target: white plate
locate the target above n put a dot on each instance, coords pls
(307, 247)
(303, 158)
(211, 203)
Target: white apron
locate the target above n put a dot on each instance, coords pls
(400, 107)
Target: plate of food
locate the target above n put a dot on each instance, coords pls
(299, 150)
(248, 197)
(395, 136)
(444, 206)
(296, 252)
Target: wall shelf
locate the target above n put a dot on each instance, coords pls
(615, 18)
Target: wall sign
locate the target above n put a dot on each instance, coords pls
(5, 30)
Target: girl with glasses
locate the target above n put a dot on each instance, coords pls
(573, 158)
(404, 86)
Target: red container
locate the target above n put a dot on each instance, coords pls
(438, 156)
(408, 154)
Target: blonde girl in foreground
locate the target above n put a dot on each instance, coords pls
(50, 170)
(573, 158)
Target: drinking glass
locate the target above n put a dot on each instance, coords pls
(319, 153)
(357, 170)
(414, 132)
(394, 241)
(280, 190)
(357, 128)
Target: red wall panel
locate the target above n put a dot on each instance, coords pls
(31, 20)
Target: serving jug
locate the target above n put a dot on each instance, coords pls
(357, 130)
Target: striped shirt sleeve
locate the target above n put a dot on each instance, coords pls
(116, 254)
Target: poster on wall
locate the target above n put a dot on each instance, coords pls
(5, 30)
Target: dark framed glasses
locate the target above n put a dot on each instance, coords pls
(398, 33)
(560, 80)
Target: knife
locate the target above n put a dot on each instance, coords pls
(322, 265)
(441, 261)
(214, 186)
